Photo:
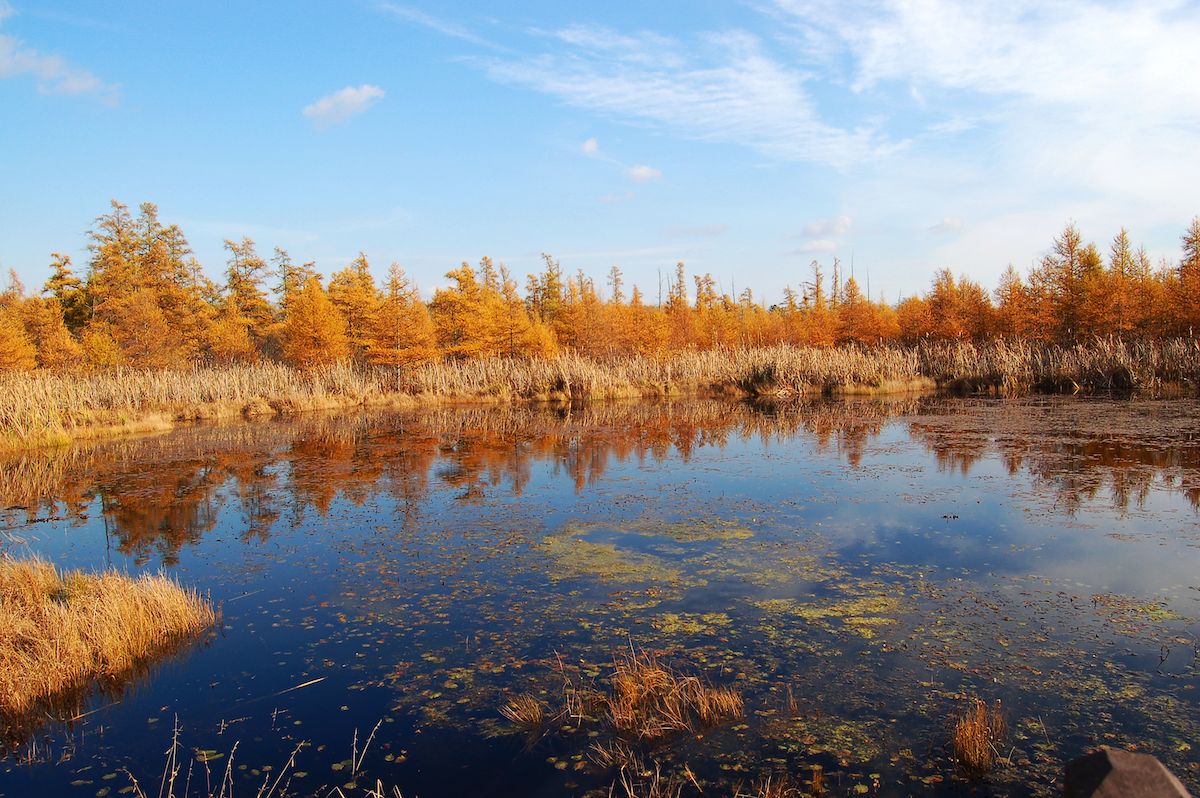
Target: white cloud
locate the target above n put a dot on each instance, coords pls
(828, 227)
(612, 199)
(590, 147)
(55, 75)
(1090, 93)
(642, 173)
(340, 105)
(947, 225)
(813, 246)
(721, 88)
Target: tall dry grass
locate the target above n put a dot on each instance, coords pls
(63, 634)
(46, 407)
(977, 737)
(650, 701)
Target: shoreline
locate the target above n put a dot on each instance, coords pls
(44, 409)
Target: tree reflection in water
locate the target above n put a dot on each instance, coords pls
(162, 493)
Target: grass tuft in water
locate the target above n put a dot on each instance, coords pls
(649, 701)
(525, 712)
(978, 735)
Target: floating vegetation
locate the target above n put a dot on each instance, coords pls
(978, 735)
(862, 615)
(575, 557)
(694, 531)
(709, 623)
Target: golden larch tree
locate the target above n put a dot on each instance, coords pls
(314, 333)
(403, 333)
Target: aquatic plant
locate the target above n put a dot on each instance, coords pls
(62, 633)
(174, 767)
(650, 701)
(639, 782)
(773, 785)
(977, 735)
(525, 712)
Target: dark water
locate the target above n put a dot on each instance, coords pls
(857, 570)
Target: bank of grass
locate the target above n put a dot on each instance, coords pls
(64, 635)
(46, 408)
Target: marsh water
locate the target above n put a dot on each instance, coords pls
(858, 570)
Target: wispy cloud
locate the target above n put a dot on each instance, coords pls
(613, 199)
(698, 231)
(723, 87)
(339, 106)
(1088, 92)
(590, 147)
(54, 74)
(813, 246)
(641, 174)
(433, 23)
(828, 227)
(946, 225)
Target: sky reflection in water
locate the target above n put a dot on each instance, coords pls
(856, 569)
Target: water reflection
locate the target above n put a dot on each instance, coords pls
(1119, 450)
(160, 494)
(856, 569)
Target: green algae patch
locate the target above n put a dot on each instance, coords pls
(1123, 609)
(686, 623)
(694, 531)
(861, 615)
(574, 557)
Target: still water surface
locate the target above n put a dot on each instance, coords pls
(857, 570)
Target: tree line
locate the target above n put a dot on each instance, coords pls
(144, 301)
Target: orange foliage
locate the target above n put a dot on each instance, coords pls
(146, 303)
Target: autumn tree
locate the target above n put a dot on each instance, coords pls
(244, 277)
(1013, 315)
(857, 320)
(67, 289)
(403, 332)
(516, 331)
(820, 323)
(679, 317)
(315, 333)
(1188, 293)
(352, 291)
(17, 352)
(1063, 282)
(459, 321)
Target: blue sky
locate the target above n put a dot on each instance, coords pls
(745, 139)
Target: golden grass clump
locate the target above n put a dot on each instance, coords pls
(525, 712)
(650, 701)
(978, 735)
(60, 634)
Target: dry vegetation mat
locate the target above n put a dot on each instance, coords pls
(47, 407)
(64, 635)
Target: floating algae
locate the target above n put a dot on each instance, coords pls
(860, 615)
(710, 529)
(574, 557)
(687, 623)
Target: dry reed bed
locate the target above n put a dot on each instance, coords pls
(648, 702)
(48, 407)
(63, 634)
